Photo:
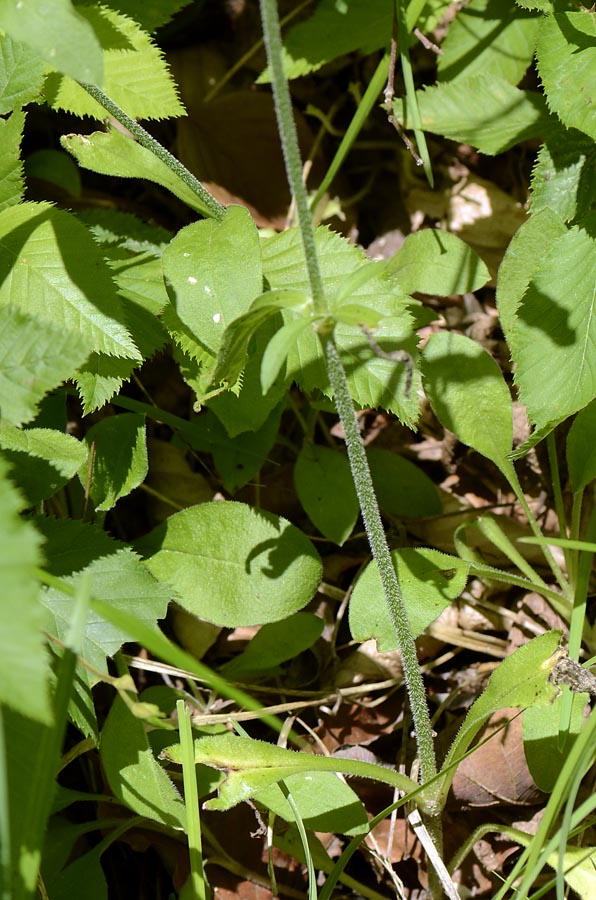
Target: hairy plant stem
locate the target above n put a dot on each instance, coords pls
(215, 209)
(345, 407)
(291, 150)
(380, 551)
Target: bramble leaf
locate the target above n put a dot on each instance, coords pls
(135, 74)
(483, 110)
(35, 357)
(24, 664)
(489, 37)
(11, 167)
(566, 58)
(43, 459)
(50, 268)
(21, 74)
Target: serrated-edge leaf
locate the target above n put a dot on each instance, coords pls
(564, 177)
(483, 110)
(21, 74)
(51, 268)
(119, 459)
(566, 58)
(136, 77)
(24, 664)
(34, 359)
(11, 167)
(63, 452)
(489, 37)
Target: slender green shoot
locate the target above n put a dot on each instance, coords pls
(212, 206)
(403, 39)
(310, 866)
(375, 86)
(191, 802)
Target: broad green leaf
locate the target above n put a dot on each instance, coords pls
(233, 565)
(483, 110)
(116, 575)
(566, 57)
(437, 262)
(542, 738)
(564, 177)
(11, 167)
(402, 488)
(522, 259)
(43, 460)
(581, 448)
(374, 381)
(51, 268)
(274, 644)
(278, 349)
(468, 394)
(252, 765)
(83, 877)
(521, 680)
(325, 488)
(125, 231)
(325, 803)
(55, 167)
(489, 37)
(58, 32)
(555, 331)
(24, 675)
(113, 153)
(213, 273)
(134, 775)
(136, 76)
(117, 457)
(335, 29)
(429, 580)
(34, 358)
(21, 73)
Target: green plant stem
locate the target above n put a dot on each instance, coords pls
(375, 86)
(191, 803)
(291, 150)
(216, 210)
(380, 551)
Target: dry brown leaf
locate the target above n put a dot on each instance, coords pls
(497, 773)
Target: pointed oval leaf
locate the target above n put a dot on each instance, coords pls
(469, 395)
(274, 644)
(232, 564)
(325, 488)
(213, 273)
(324, 801)
(555, 331)
(402, 488)
(133, 773)
(429, 581)
(437, 262)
